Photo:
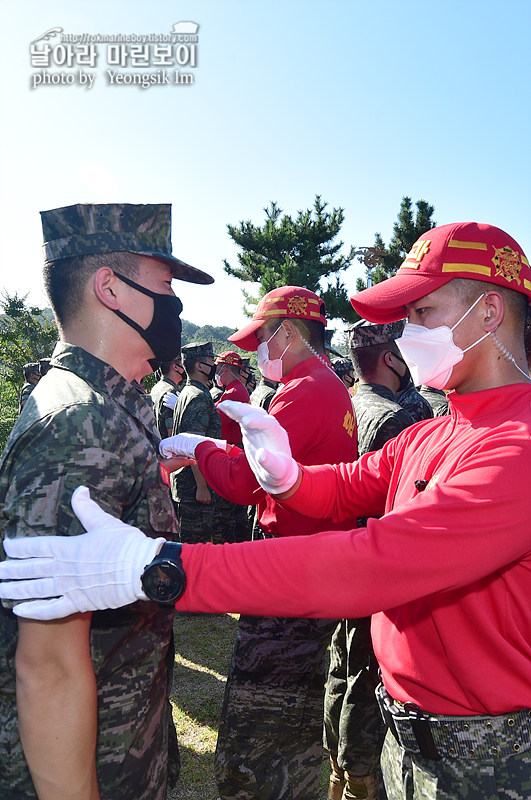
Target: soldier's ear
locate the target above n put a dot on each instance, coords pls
(106, 288)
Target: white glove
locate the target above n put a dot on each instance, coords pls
(266, 446)
(96, 570)
(170, 400)
(184, 444)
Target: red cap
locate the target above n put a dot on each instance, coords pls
(286, 302)
(230, 357)
(460, 250)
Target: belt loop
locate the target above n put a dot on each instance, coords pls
(420, 725)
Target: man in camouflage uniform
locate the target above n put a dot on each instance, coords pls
(264, 393)
(353, 729)
(195, 412)
(84, 705)
(172, 373)
(437, 400)
(32, 376)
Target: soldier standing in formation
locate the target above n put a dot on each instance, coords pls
(195, 413)
(32, 376)
(164, 394)
(264, 393)
(84, 704)
(230, 521)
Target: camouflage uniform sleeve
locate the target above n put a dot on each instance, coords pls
(197, 415)
(390, 426)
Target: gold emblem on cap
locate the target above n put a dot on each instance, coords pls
(507, 263)
(297, 304)
(416, 254)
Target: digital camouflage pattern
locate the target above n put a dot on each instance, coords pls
(437, 400)
(408, 776)
(262, 395)
(230, 522)
(194, 412)
(24, 394)
(85, 424)
(85, 229)
(278, 666)
(163, 414)
(378, 415)
(414, 403)
(353, 727)
(367, 334)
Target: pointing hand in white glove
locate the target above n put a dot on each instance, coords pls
(96, 570)
(266, 446)
(184, 444)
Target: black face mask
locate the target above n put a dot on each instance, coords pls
(403, 379)
(163, 333)
(212, 370)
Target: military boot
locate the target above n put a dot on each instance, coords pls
(337, 781)
(360, 788)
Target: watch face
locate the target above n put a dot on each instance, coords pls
(164, 581)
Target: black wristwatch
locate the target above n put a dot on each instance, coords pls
(163, 580)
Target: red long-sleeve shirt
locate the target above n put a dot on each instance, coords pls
(230, 429)
(448, 568)
(315, 408)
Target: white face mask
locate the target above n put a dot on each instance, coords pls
(431, 353)
(270, 368)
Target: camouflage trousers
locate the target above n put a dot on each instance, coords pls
(230, 522)
(409, 776)
(195, 520)
(353, 727)
(270, 736)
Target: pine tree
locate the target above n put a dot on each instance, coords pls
(382, 262)
(300, 252)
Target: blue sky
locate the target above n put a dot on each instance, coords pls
(361, 102)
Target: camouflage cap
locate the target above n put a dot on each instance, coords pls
(367, 334)
(342, 365)
(31, 368)
(195, 349)
(85, 229)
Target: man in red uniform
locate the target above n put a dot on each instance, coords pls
(228, 377)
(269, 741)
(445, 570)
(230, 521)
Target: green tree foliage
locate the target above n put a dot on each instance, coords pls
(27, 333)
(299, 252)
(386, 260)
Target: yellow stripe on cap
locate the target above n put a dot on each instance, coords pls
(524, 260)
(311, 300)
(467, 245)
(477, 268)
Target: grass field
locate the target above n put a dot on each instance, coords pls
(203, 645)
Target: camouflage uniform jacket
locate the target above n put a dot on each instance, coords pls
(437, 400)
(86, 424)
(414, 403)
(163, 415)
(24, 394)
(379, 416)
(262, 395)
(195, 412)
